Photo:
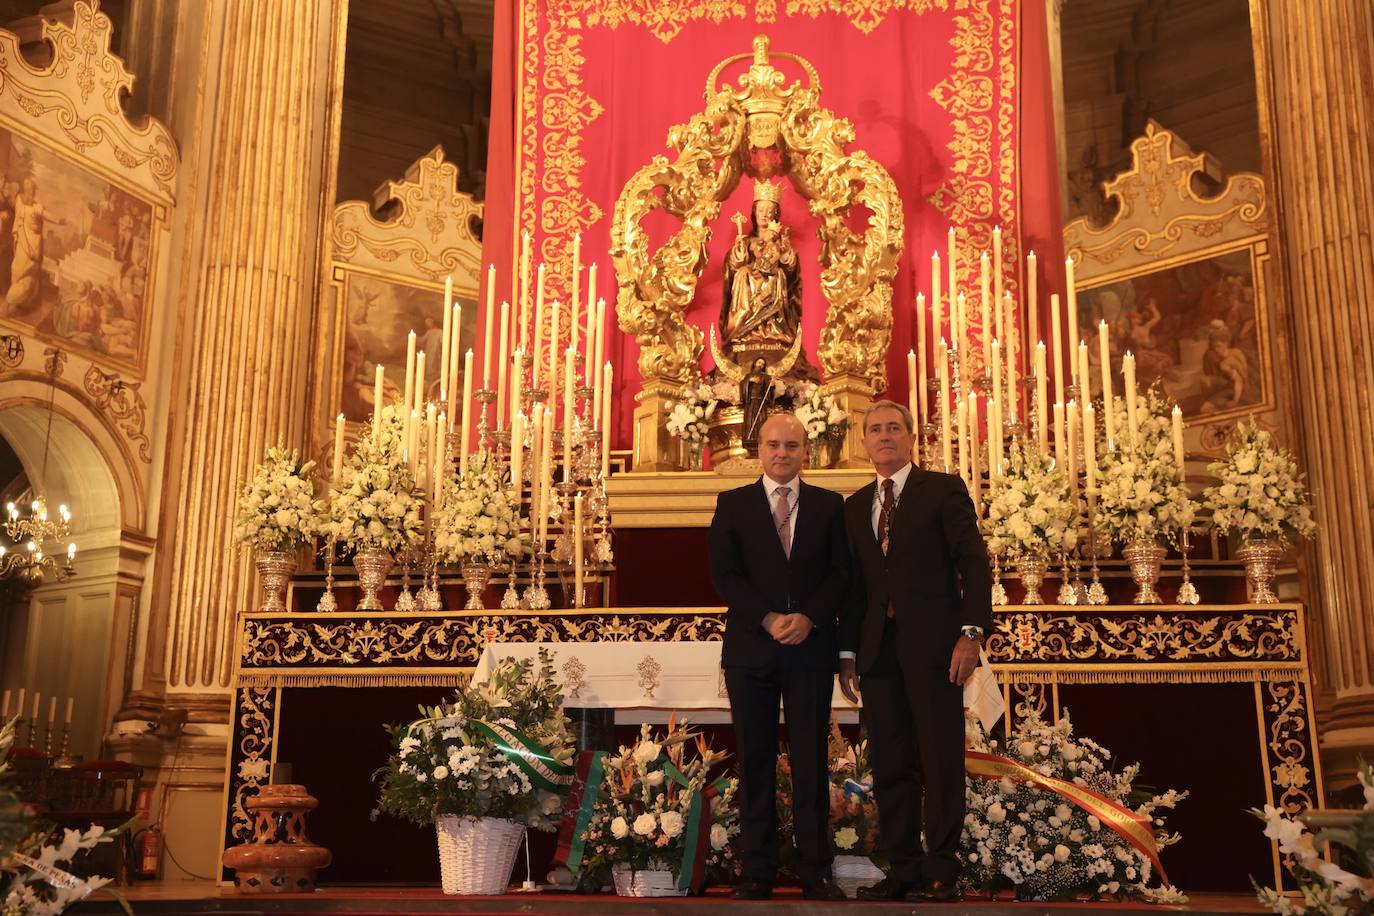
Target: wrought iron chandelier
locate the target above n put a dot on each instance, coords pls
(39, 538)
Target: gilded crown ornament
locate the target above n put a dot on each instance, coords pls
(761, 127)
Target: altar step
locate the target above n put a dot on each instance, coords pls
(182, 898)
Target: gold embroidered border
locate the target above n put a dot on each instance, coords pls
(554, 110)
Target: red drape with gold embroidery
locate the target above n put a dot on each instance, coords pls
(953, 98)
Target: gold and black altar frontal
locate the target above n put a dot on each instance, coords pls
(1252, 660)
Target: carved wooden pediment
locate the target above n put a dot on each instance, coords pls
(1162, 215)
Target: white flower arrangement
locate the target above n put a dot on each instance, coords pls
(277, 509)
(1033, 839)
(377, 504)
(820, 414)
(1327, 889)
(1259, 491)
(641, 813)
(446, 764)
(24, 841)
(1030, 511)
(476, 519)
(689, 415)
(1141, 493)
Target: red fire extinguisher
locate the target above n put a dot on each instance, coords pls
(149, 839)
(149, 852)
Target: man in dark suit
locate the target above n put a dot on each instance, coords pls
(921, 602)
(780, 561)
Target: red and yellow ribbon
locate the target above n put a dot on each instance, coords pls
(1131, 827)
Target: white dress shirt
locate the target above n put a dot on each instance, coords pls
(898, 484)
(770, 487)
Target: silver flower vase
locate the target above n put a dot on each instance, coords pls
(275, 568)
(1261, 558)
(372, 565)
(1031, 570)
(475, 579)
(1144, 557)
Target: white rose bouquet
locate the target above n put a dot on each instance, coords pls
(1141, 494)
(688, 416)
(1030, 511)
(277, 509)
(451, 761)
(1327, 888)
(476, 520)
(1036, 840)
(822, 417)
(377, 505)
(643, 817)
(1259, 491)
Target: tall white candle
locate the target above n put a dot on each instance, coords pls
(445, 352)
(569, 413)
(537, 363)
(523, 298)
(5, 707)
(1013, 371)
(985, 303)
(431, 438)
(1057, 347)
(946, 405)
(440, 449)
(546, 484)
(467, 412)
(1060, 458)
(594, 373)
(1071, 465)
(1132, 404)
(575, 285)
(961, 334)
(517, 458)
(1073, 325)
(67, 719)
(975, 460)
(995, 431)
(451, 368)
(911, 401)
(502, 356)
(577, 549)
(553, 352)
(19, 706)
(377, 396)
(935, 293)
(1032, 299)
(922, 395)
(489, 324)
(606, 402)
(536, 465)
(337, 471)
(1104, 355)
(409, 397)
(1090, 444)
(997, 268)
(1041, 384)
(1177, 418)
(420, 392)
(951, 262)
(592, 321)
(961, 412)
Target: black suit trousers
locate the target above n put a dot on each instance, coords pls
(916, 716)
(804, 690)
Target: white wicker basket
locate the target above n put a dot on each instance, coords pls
(476, 854)
(854, 872)
(654, 882)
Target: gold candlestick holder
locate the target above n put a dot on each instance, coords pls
(1097, 595)
(64, 759)
(1187, 591)
(536, 595)
(1068, 595)
(405, 601)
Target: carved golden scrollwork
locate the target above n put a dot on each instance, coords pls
(125, 405)
(1161, 213)
(765, 114)
(431, 233)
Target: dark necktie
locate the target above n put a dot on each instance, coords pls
(885, 514)
(782, 517)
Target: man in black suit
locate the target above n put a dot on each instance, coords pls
(780, 561)
(921, 602)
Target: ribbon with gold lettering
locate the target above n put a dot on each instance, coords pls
(1128, 825)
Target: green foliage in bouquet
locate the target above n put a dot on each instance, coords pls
(643, 815)
(500, 748)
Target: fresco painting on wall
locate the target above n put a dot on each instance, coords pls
(75, 253)
(1195, 328)
(380, 315)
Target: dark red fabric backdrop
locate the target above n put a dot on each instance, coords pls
(953, 99)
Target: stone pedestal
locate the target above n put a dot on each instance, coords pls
(854, 394)
(280, 859)
(654, 449)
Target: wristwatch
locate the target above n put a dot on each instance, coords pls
(969, 631)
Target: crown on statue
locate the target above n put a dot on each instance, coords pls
(769, 191)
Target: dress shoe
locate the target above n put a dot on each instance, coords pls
(889, 888)
(749, 889)
(822, 889)
(937, 891)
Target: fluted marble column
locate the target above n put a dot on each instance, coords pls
(1322, 78)
(248, 291)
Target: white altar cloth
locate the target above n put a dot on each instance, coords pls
(645, 681)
